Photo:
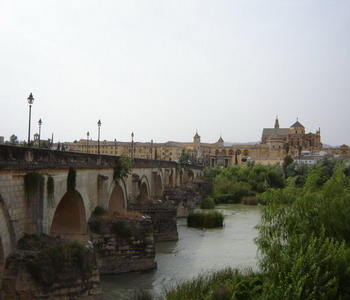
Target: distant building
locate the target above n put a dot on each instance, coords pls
(274, 145)
(294, 136)
(2, 140)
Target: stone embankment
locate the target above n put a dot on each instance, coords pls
(183, 199)
(122, 243)
(47, 268)
(163, 217)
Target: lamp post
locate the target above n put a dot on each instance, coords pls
(40, 123)
(30, 100)
(132, 145)
(115, 147)
(87, 141)
(98, 141)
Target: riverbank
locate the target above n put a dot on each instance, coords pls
(195, 252)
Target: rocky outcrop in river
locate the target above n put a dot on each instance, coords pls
(44, 267)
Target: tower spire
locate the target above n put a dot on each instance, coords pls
(277, 124)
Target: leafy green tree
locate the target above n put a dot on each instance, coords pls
(211, 172)
(304, 236)
(185, 157)
(122, 168)
(286, 162)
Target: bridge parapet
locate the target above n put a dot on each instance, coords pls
(14, 157)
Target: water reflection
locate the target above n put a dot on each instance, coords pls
(195, 252)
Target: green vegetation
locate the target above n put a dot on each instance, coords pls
(208, 203)
(71, 180)
(190, 173)
(234, 183)
(50, 187)
(211, 219)
(122, 230)
(33, 185)
(122, 168)
(305, 234)
(99, 211)
(54, 257)
(225, 284)
(185, 157)
(304, 237)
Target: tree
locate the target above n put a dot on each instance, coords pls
(13, 140)
(184, 158)
(286, 162)
(304, 237)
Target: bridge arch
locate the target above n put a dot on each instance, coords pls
(117, 198)
(144, 187)
(7, 237)
(69, 221)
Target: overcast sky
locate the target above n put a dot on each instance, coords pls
(164, 69)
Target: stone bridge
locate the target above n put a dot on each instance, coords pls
(34, 198)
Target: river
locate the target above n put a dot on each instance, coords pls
(195, 252)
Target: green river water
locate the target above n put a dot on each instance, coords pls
(197, 251)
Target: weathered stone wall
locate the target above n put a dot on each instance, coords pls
(183, 199)
(163, 216)
(123, 245)
(67, 283)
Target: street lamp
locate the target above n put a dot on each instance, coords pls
(132, 144)
(98, 141)
(40, 123)
(30, 100)
(87, 141)
(115, 147)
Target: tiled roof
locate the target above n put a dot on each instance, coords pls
(282, 132)
(297, 124)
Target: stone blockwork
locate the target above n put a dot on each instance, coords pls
(34, 274)
(183, 199)
(122, 244)
(163, 216)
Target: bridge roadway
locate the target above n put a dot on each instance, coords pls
(53, 210)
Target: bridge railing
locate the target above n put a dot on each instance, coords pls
(15, 157)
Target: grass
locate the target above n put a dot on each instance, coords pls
(208, 203)
(225, 284)
(211, 219)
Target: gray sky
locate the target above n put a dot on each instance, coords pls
(163, 69)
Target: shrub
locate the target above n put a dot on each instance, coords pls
(99, 211)
(201, 219)
(208, 203)
(231, 192)
(251, 200)
(304, 236)
(224, 284)
(51, 260)
(122, 168)
(121, 230)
